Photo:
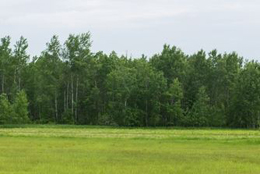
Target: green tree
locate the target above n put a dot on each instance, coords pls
(172, 62)
(78, 56)
(5, 61)
(121, 83)
(146, 98)
(6, 112)
(173, 109)
(200, 111)
(198, 74)
(47, 72)
(20, 59)
(245, 110)
(20, 108)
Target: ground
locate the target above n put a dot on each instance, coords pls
(55, 149)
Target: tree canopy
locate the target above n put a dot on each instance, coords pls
(69, 84)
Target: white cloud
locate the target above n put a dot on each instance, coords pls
(140, 26)
(80, 13)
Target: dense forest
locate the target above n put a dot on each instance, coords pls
(69, 84)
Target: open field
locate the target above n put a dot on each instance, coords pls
(78, 149)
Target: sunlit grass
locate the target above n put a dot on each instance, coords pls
(79, 149)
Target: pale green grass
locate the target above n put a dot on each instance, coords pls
(78, 149)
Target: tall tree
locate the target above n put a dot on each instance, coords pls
(5, 61)
(200, 111)
(121, 83)
(173, 109)
(48, 68)
(77, 53)
(20, 61)
(172, 62)
(246, 102)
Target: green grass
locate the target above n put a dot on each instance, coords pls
(84, 149)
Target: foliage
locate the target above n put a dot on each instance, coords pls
(6, 111)
(15, 113)
(20, 108)
(200, 111)
(69, 84)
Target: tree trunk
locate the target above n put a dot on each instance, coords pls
(146, 104)
(56, 107)
(146, 110)
(3, 81)
(67, 104)
(125, 103)
(72, 98)
(15, 76)
(64, 100)
(76, 107)
(19, 83)
(97, 104)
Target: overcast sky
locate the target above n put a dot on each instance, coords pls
(138, 26)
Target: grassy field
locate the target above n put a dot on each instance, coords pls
(78, 149)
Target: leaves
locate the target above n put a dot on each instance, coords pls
(68, 83)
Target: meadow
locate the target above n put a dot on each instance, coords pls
(45, 149)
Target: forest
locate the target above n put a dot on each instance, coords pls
(69, 84)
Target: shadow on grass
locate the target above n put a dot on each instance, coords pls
(64, 126)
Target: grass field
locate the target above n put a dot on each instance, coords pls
(78, 149)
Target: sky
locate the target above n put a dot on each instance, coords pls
(137, 27)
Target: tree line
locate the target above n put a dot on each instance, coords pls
(69, 84)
